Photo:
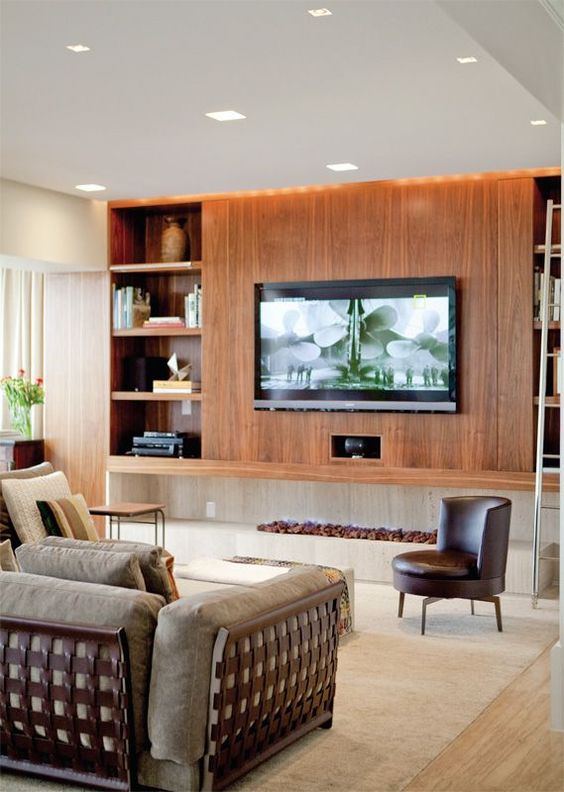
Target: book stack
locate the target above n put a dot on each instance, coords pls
(176, 386)
(554, 296)
(193, 307)
(164, 321)
(130, 306)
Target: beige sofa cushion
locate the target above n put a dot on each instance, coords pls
(150, 558)
(38, 597)
(184, 640)
(6, 525)
(88, 566)
(21, 496)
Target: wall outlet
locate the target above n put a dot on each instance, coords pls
(186, 407)
(210, 509)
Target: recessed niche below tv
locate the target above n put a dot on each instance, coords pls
(356, 446)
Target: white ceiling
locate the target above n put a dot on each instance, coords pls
(376, 84)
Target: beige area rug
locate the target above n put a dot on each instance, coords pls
(401, 697)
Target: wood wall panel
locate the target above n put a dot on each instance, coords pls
(515, 363)
(217, 432)
(77, 389)
(365, 231)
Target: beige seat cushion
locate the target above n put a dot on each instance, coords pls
(21, 496)
(88, 566)
(38, 597)
(151, 560)
(184, 641)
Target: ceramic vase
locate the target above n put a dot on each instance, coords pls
(174, 242)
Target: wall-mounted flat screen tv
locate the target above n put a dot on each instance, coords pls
(356, 345)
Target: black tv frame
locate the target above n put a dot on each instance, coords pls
(444, 401)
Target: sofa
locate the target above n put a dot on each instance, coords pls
(111, 686)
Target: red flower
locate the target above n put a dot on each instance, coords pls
(39, 380)
(21, 372)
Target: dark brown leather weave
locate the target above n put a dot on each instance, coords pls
(275, 683)
(65, 702)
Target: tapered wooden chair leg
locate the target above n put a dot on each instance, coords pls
(400, 604)
(472, 607)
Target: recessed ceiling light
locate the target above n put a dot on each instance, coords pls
(90, 187)
(78, 48)
(468, 59)
(342, 166)
(538, 122)
(226, 115)
(319, 12)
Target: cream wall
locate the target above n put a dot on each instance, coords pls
(50, 231)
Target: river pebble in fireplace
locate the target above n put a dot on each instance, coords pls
(312, 528)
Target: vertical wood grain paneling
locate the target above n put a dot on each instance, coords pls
(367, 231)
(218, 433)
(77, 389)
(515, 312)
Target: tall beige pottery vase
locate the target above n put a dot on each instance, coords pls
(174, 242)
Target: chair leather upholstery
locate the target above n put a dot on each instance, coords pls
(432, 564)
(471, 554)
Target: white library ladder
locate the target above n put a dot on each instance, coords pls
(551, 251)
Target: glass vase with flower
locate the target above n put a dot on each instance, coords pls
(22, 394)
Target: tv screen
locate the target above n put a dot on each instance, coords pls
(356, 345)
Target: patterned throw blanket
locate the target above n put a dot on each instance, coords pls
(333, 576)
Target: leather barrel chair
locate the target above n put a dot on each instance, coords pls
(470, 557)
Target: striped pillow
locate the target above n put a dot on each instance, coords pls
(68, 517)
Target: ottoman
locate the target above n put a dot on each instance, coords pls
(207, 574)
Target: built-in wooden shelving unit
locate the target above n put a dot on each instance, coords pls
(136, 229)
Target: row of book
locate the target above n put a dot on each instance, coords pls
(192, 313)
(193, 307)
(554, 296)
(131, 307)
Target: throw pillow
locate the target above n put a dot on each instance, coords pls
(86, 566)
(151, 561)
(68, 517)
(7, 530)
(21, 496)
(169, 564)
(8, 561)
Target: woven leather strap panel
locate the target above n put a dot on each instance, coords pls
(65, 702)
(275, 683)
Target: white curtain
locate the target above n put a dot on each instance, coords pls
(21, 334)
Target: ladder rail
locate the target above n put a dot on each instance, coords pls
(544, 317)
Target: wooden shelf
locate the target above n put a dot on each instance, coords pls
(550, 401)
(551, 325)
(339, 473)
(176, 267)
(157, 331)
(556, 249)
(149, 396)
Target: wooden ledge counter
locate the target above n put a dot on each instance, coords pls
(338, 473)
